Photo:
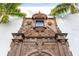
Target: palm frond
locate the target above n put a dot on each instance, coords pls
(5, 19)
(64, 8)
(9, 9)
(16, 12)
(74, 9)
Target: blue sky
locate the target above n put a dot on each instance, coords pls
(31, 8)
(38, 4)
(39, 1)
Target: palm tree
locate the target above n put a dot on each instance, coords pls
(65, 8)
(9, 9)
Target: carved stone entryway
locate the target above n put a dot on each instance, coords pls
(39, 36)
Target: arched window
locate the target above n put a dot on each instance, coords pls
(39, 23)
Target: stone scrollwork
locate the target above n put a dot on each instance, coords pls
(32, 40)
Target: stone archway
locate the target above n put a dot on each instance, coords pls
(36, 53)
(39, 54)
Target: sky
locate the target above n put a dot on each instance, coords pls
(38, 4)
(31, 8)
(68, 24)
(39, 1)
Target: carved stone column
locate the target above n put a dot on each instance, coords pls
(16, 44)
(61, 41)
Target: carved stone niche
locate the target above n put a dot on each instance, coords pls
(61, 37)
(18, 36)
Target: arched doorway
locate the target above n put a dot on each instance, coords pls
(39, 54)
(43, 53)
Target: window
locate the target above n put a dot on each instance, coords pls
(39, 23)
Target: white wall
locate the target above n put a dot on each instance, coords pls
(70, 24)
(5, 34)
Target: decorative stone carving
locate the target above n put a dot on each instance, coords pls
(49, 23)
(29, 22)
(41, 41)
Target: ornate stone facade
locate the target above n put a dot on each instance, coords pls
(46, 40)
